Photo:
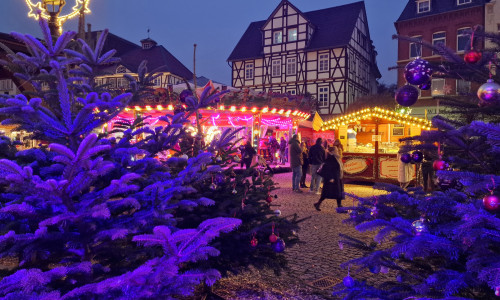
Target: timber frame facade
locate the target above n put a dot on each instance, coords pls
(326, 53)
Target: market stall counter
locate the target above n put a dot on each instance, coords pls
(370, 138)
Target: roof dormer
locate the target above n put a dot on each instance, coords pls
(148, 43)
(423, 6)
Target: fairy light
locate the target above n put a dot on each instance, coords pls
(137, 107)
(222, 107)
(148, 107)
(233, 108)
(37, 9)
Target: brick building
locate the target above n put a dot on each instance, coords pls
(446, 22)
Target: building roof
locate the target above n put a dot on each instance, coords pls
(113, 41)
(157, 57)
(333, 29)
(12, 43)
(437, 7)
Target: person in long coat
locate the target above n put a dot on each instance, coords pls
(333, 187)
(248, 154)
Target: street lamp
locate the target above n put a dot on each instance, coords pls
(51, 10)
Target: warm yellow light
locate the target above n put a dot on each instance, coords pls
(273, 111)
(288, 111)
(137, 107)
(265, 109)
(127, 109)
(295, 112)
(148, 107)
(254, 109)
(281, 111)
(233, 108)
(243, 109)
(36, 8)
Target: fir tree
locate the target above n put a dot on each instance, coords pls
(95, 218)
(445, 244)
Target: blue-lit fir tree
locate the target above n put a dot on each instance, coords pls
(444, 244)
(92, 217)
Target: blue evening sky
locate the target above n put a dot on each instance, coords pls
(215, 26)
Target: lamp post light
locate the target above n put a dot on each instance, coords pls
(50, 10)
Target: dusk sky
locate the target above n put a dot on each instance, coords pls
(215, 26)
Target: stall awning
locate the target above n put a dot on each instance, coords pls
(376, 113)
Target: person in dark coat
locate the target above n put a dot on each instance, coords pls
(305, 166)
(248, 154)
(296, 162)
(428, 171)
(316, 159)
(282, 151)
(332, 183)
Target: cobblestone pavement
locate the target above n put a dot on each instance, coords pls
(319, 256)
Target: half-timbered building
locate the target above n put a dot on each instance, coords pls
(326, 53)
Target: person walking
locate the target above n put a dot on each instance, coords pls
(305, 165)
(332, 186)
(316, 159)
(428, 171)
(296, 162)
(282, 151)
(248, 154)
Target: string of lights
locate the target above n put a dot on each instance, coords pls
(379, 113)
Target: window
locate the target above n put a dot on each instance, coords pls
(460, 2)
(323, 62)
(292, 34)
(463, 38)
(157, 81)
(291, 66)
(423, 6)
(112, 82)
(249, 71)
(291, 92)
(122, 83)
(416, 48)
(438, 38)
(437, 87)
(463, 87)
(323, 97)
(276, 68)
(277, 37)
(121, 69)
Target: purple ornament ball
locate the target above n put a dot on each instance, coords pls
(491, 202)
(375, 269)
(348, 281)
(417, 156)
(406, 158)
(406, 95)
(489, 93)
(184, 94)
(418, 72)
(279, 246)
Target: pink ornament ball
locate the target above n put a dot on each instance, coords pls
(273, 238)
(491, 202)
(439, 165)
(472, 57)
(254, 242)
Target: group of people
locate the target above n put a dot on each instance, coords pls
(325, 164)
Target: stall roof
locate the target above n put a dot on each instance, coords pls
(296, 114)
(376, 113)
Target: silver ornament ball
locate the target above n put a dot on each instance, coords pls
(489, 93)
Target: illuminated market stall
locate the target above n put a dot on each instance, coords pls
(370, 138)
(255, 121)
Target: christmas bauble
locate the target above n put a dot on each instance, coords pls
(348, 281)
(213, 186)
(218, 159)
(384, 269)
(489, 93)
(406, 158)
(497, 291)
(220, 179)
(184, 94)
(277, 212)
(425, 86)
(439, 165)
(269, 199)
(279, 246)
(406, 95)
(184, 156)
(254, 242)
(234, 192)
(273, 238)
(472, 56)
(418, 72)
(417, 156)
(419, 226)
(374, 212)
(375, 269)
(491, 202)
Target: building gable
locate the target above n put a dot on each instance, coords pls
(410, 12)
